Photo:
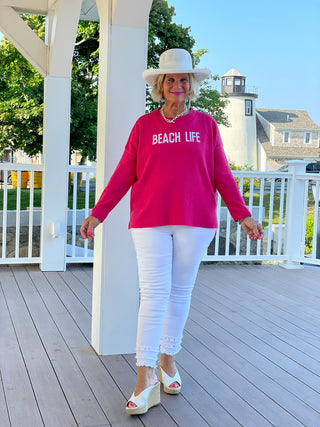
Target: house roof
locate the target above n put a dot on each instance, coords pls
(233, 73)
(297, 119)
(286, 151)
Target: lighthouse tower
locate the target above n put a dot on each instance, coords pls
(240, 139)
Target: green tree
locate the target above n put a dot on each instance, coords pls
(21, 94)
(21, 86)
(21, 98)
(165, 34)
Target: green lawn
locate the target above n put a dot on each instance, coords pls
(25, 199)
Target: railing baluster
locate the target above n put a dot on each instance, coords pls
(227, 246)
(216, 249)
(250, 209)
(281, 216)
(304, 218)
(238, 246)
(4, 215)
(87, 198)
(261, 198)
(74, 213)
(18, 208)
(315, 224)
(31, 195)
(270, 232)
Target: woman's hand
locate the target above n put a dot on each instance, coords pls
(253, 229)
(87, 227)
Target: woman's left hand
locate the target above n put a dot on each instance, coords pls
(253, 229)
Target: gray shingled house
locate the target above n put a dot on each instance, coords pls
(286, 135)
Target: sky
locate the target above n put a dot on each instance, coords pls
(275, 44)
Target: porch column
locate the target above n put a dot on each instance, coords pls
(123, 53)
(61, 31)
(56, 135)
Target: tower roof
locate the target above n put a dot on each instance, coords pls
(233, 73)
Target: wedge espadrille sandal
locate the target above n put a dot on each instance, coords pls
(144, 401)
(171, 385)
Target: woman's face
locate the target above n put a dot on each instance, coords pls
(176, 88)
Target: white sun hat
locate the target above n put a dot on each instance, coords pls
(175, 61)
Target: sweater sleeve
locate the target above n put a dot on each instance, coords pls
(121, 180)
(225, 182)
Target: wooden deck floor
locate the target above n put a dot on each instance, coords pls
(250, 357)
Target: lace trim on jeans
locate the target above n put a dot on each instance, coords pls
(170, 345)
(147, 356)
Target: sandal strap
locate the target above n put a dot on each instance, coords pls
(142, 398)
(167, 380)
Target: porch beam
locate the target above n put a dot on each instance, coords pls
(24, 39)
(28, 6)
(61, 36)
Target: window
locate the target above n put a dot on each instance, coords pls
(222, 82)
(318, 140)
(229, 82)
(237, 82)
(248, 107)
(286, 137)
(307, 137)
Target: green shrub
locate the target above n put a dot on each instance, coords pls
(309, 234)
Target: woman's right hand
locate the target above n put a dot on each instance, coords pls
(87, 227)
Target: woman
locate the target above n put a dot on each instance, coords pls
(174, 162)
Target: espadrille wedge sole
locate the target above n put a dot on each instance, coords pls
(169, 381)
(145, 400)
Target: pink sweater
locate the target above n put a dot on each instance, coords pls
(174, 170)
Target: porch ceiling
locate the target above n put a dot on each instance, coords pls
(89, 10)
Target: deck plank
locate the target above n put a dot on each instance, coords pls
(272, 401)
(252, 386)
(4, 415)
(78, 288)
(176, 411)
(75, 308)
(104, 388)
(80, 398)
(250, 355)
(83, 274)
(255, 317)
(19, 395)
(249, 347)
(49, 395)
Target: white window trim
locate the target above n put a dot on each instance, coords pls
(289, 138)
(319, 140)
(305, 138)
(247, 112)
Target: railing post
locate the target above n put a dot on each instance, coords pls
(54, 204)
(294, 220)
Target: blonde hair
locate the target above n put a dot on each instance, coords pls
(157, 88)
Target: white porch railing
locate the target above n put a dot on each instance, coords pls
(19, 228)
(78, 249)
(283, 202)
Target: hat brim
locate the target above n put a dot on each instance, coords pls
(199, 74)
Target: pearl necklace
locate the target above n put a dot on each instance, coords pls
(174, 118)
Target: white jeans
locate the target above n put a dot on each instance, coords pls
(168, 261)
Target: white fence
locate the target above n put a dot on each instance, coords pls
(19, 227)
(78, 249)
(283, 202)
